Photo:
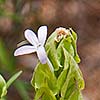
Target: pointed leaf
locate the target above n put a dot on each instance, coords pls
(73, 34)
(4, 91)
(44, 75)
(61, 79)
(13, 78)
(45, 94)
(2, 85)
(74, 76)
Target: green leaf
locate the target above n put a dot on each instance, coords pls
(43, 75)
(45, 94)
(51, 46)
(51, 38)
(13, 78)
(74, 77)
(2, 86)
(52, 55)
(4, 91)
(76, 95)
(65, 84)
(74, 40)
(73, 34)
(67, 45)
(62, 78)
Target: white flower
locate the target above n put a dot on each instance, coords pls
(36, 42)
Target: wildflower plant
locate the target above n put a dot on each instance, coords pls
(57, 75)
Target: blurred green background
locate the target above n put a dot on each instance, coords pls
(17, 15)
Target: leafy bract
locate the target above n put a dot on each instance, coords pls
(74, 79)
(43, 75)
(44, 93)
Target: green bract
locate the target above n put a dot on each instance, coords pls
(5, 85)
(66, 82)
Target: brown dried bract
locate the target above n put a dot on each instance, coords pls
(61, 33)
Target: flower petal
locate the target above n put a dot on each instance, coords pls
(24, 50)
(42, 54)
(31, 37)
(42, 34)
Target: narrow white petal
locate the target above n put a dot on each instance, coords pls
(42, 54)
(31, 37)
(42, 34)
(24, 50)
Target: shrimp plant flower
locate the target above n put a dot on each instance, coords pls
(37, 44)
